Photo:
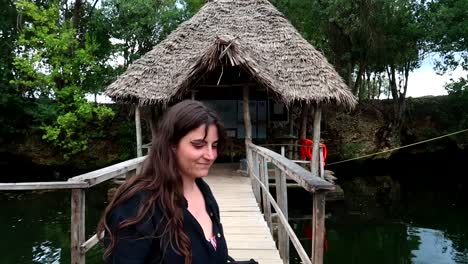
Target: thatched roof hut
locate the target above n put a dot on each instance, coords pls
(253, 47)
(250, 34)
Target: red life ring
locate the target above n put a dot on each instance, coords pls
(305, 151)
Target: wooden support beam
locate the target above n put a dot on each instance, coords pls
(266, 204)
(138, 131)
(247, 119)
(282, 198)
(318, 227)
(253, 166)
(314, 166)
(304, 116)
(77, 226)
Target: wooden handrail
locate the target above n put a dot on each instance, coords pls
(88, 244)
(107, 173)
(258, 157)
(294, 171)
(79, 246)
(32, 186)
(292, 236)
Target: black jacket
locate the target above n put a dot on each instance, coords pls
(140, 244)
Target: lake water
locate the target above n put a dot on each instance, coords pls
(35, 229)
(427, 224)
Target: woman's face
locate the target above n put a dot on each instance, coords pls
(196, 151)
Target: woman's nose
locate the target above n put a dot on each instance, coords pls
(210, 153)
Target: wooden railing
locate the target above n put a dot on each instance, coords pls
(78, 185)
(292, 154)
(258, 159)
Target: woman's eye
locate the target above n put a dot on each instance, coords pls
(198, 146)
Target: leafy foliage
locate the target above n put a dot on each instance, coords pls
(448, 32)
(51, 62)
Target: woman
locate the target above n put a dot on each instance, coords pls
(167, 213)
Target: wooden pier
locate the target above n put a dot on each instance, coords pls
(246, 231)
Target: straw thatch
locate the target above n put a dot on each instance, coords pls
(250, 34)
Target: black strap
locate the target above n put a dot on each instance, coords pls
(232, 261)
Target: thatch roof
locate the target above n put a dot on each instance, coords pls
(251, 34)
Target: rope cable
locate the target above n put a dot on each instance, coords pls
(401, 147)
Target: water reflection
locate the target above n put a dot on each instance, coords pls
(364, 242)
(45, 252)
(434, 247)
(35, 227)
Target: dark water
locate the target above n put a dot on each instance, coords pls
(423, 220)
(434, 231)
(35, 227)
(415, 212)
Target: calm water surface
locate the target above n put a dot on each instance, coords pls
(427, 227)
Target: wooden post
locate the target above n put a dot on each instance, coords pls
(138, 131)
(291, 132)
(304, 117)
(322, 169)
(77, 226)
(282, 198)
(318, 227)
(246, 109)
(154, 110)
(255, 171)
(266, 203)
(314, 167)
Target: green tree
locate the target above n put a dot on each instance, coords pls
(373, 44)
(13, 116)
(448, 32)
(138, 25)
(55, 57)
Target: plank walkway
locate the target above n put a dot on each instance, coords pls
(245, 229)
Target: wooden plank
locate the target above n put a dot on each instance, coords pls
(25, 186)
(249, 244)
(104, 174)
(246, 231)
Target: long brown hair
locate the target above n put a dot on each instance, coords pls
(161, 178)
